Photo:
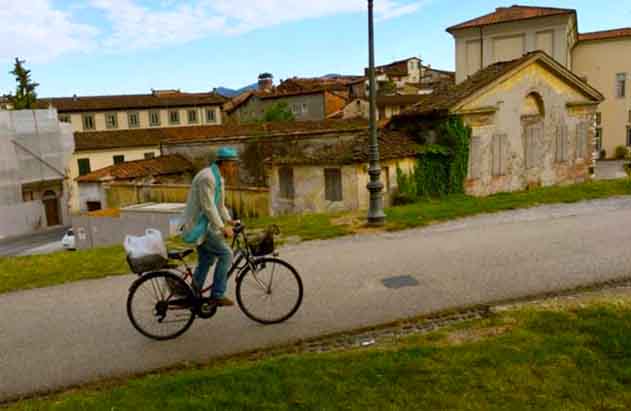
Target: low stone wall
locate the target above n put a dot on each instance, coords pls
(244, 201)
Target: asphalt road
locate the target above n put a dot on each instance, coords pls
(56, 337)
(44, 242)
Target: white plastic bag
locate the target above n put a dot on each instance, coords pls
(151, 244)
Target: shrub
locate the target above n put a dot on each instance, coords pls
(621, 152)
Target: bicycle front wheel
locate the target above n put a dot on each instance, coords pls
(270, 294)
(161, 306)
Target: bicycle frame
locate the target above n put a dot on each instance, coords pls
(241, 253)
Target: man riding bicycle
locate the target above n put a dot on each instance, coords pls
(207, 223)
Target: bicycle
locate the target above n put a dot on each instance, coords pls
(165, 297)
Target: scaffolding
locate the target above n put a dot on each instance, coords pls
(34, 147)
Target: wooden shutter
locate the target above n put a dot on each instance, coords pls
(499, 153)
(474, 158)
(333, 184)
(561, 139)
(582, 137)
(286, 182)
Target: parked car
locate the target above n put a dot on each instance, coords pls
(68, 241)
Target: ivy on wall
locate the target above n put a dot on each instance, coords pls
(441, 167)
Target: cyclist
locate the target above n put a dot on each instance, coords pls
(207, 223)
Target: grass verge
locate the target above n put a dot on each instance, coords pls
(544, 358)
(38, 271)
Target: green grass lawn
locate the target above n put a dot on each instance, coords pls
(38, 271)
(536, 358)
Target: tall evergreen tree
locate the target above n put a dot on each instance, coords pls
(25, 95)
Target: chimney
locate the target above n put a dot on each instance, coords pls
(74, 97)
(266, 82)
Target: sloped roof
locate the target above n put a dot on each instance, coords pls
(508, 14)
(103, 140)
(159, 166)
(443, 101)
(392, 145)
(130, 101)
(605, 34)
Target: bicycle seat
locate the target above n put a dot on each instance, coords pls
(180, 254)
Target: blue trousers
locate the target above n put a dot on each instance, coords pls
(214, 249)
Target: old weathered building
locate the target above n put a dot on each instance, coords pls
(532, 123)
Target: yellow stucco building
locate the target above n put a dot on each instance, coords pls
(603, 59)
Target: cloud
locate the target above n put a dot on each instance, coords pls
(34, 30)
(135, 26)
(39, 32)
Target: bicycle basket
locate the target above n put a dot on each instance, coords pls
(146, 264)
(264, 244)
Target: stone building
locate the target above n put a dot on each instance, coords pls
(601, 58)
(532, 123)
(163, 170)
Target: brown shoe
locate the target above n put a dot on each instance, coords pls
(222, 302)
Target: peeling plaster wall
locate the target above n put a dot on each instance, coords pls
(510, 99)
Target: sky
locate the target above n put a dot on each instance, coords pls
(97, 47)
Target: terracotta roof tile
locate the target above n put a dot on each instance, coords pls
(605, 34)
(130, 101)
(392, 145)
(160, 166)
(102, 140)
(513, 13)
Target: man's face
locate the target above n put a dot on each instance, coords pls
(229, 170)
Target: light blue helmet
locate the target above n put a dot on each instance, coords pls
(227, 154)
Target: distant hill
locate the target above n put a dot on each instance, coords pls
(229, 92)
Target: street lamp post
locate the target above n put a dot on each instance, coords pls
(376, 216)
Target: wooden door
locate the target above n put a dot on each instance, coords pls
(51, 206)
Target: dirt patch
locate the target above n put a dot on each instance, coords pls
(465, 336)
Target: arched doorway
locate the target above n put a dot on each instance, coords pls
(532, 121)
(51, 206)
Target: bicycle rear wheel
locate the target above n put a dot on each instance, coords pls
(270, 294)
(160, 306)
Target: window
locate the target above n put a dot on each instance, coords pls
(150, 156)
(88, 121)
(474, 158)
(192, 117)
(27, 196)
(582, 144)
(561, 144)
(629, 116)
(93, 205)
(154, 118)
(133, 119)
(333, 184)
(174, 117)
(286, 182)
(599, 119)
(119, 159)
(499, 153)
(210, 115)
(111, 120)
(621, 85)
(64, 118)
(295, 108)
(599, 139)
(84, 166)
(532, 138)
(305, 108)
(628, 136)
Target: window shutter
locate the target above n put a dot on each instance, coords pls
(474, 158)
(286, 182)
(582, 148)
(499, 154)
(561, 152)
(333, 184)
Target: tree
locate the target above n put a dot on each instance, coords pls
(278, 112)
(25, 95)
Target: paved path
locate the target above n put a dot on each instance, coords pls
(48, 241)
(55, 337)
